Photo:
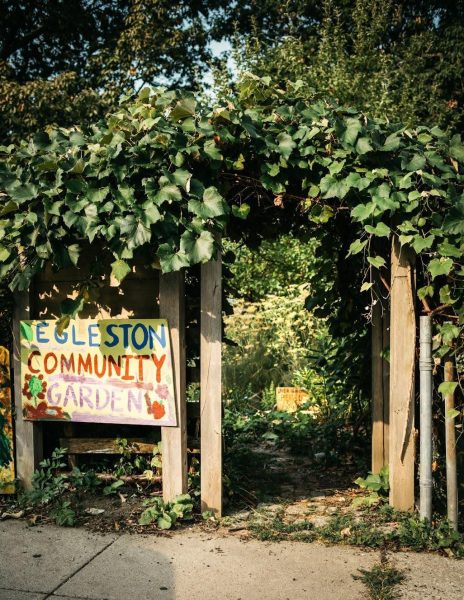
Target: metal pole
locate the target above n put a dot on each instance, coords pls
(425, 369)
(450, 436)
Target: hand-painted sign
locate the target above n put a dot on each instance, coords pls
(107, 371)
(289, 399)
(7, 472)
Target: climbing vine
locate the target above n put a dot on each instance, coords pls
(164, 176)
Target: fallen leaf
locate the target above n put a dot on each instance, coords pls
(10, 515)
(32, 520)
(94, 511)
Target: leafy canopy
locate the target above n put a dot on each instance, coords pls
(164, 175)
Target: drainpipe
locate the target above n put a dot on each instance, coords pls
(425, 369)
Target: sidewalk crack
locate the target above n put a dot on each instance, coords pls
(51, 594)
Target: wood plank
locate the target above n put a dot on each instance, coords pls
(378, 454)
(402, 375)
(380, 384)
(450, 441)
(28, 435)
(386, 386)
(210, 387)
(132, 300)
(140, 269)
(172, 308)
(105, 445)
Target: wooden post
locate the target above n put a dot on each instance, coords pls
(380, 391)
(28, 435)
(210, 390)
(172, 308)
(450, 436)
(402, 376)
(386, 386)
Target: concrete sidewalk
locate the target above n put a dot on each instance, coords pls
(57, 563)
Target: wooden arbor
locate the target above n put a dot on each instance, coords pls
(42, 302)
(393, 386)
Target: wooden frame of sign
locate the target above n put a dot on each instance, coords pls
(42, 302)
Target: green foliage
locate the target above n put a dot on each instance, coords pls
(50, 487)
(307, 431)
(395, 59)
(270, 268)
(378, 485)
(375, 482)
(381, 580)
(379, 527)
(132, 462)
(271, 339)
(71, 66)
(113, 488)
(147, 182)
(47, 481)
(63, 514)
(83, 481)
(165, 514)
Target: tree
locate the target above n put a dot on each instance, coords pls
(403, 60)
(68, 61)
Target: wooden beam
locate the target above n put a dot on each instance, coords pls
(450, 441)
(210, 387)
(76, 445)
(402, 376)
(28, 435)
(172, 308)
(380, 390)
(386, 385)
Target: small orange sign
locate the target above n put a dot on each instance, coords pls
(289, 399)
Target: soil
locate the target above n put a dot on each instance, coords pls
(274, 479)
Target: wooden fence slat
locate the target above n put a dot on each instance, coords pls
(450, 441)
(402, 375)
(172, 308)
(28, 435)
(386, 386)
(210, 387)
(378, 440)
(380, 385)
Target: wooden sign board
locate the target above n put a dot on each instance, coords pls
(7, 471)
(98, 371)
(288, 399)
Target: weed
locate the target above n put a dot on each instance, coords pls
(382, 579)
(420, 534)
(377, 483)
(48, 483)
(113, 488)
(63, 514)
(378, 528)
(83, 481)
(165, 514)
(50, 487)
(130, 462)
